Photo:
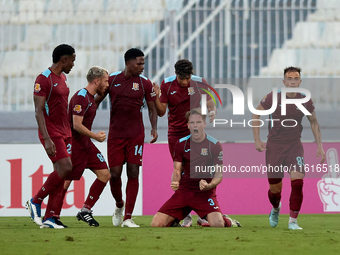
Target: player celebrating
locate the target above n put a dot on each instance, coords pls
(51, 102)
(284, 148)
(180, 93)
(192, 192)
(127, 90)
(82, 111)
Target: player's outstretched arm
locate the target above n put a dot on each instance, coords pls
(161, 107)
(314, 124)
(259, 145)
(153, 120)
(39, 104)
(99, 98)
(80, 128)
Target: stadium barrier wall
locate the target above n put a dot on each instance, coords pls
(24, 167)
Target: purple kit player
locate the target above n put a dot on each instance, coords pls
(192, 192)
(127, 91)
(51, 102)
(82, 111)
(181, 93)
(284, 147)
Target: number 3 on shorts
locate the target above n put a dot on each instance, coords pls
(140, 151)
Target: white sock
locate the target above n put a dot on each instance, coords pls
(292, 220)
(276, 209)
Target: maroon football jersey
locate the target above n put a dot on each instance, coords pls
(54, 88)
(278, 132)
(193, 155)
(82, 104)
(127, 99)
(180, 100)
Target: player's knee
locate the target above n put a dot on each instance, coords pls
(155, 223)
(217, 223)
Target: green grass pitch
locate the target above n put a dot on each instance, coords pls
(320, 235)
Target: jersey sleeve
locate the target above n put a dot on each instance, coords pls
(164, 93)
(42, 86)
(150, 95)
(79, 105)
(208, 89)
(218, 154)
(310, 106)
(178, 152)
(267, 101)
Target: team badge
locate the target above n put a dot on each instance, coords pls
(37, 87)
(220, 156)
(204, 152)
(264, 99)
(135, 86)
(77, 108)
(191, 91)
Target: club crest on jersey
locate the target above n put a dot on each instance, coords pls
(204, 152)
(220, 156)
(77, 108)
(37, 87)
(191, 91)
(135, 86)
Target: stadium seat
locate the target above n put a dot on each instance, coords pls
(67, 33)
(88, 11)
(261, 86)
(305, 35)
(30, 11)
(7, 11)
(327, 10)
(332, 60)
(14, 63)
(279, 59)
(330, 37)
(310, 60)
(39, 62)
(20, 92)
(37, 37)
(14, 33)
(81, 65)
(106, 59)
(59, 12)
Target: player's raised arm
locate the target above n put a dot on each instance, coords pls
(153, 120)
(99, 98)
(314, 124)
(211, 110)
(259, 145)
(39, 103)
(176, 175)
(161, 107)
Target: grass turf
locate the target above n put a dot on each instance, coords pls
(320, 235)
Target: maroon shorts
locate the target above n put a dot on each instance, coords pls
(184, 201)
(90, 158)
(172, 140)
(63, 148)
(121, 150)
(281, 158)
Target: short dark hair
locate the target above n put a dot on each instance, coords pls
(291, 69)
(184, 68)
(133, 53)
(62, 50)
(195, 111)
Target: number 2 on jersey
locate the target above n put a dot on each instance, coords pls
(140, 151)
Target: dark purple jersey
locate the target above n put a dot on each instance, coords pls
(180, 100)
(82, 104)
(285, 132)
(195, 156)
(127, 99)
(55, 90)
